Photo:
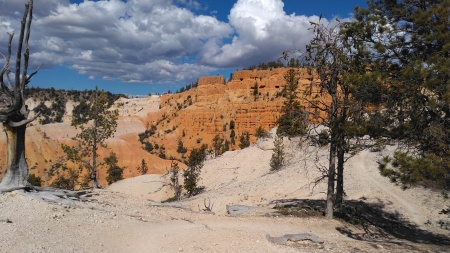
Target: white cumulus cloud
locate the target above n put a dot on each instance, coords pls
(263, 32)
(154, 41)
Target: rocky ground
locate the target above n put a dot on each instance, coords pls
(129, 217)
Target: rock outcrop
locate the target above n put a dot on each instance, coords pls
(251, 99)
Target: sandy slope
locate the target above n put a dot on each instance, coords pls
(127, 216)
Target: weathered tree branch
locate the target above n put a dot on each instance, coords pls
(26, 55)
(23, 122)
(6, 69)
(34, 73)
(19, 50)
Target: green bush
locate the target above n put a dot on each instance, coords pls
(244, 140)
(115, 173)
(277, 160)
(34, 180)
(324, 138)
(261, 133)
(191, 174)
(143, 168)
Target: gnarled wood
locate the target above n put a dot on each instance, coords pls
(13, 111)
(23, 122)
(17, 168)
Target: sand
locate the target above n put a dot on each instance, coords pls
(129, 217)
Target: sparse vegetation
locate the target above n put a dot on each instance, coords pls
(115, 172)
(143, 168)
(58, 100)
(268, 65)
(174, 180)
(261, 133)
(277, 160)
(218, 144)
(244, 140)
(187, 87)
(323, 138)
(66, 179)
(181, 149)
(35, 180)
(191, 174)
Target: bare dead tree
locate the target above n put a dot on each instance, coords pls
(13, 111)
(14, 117)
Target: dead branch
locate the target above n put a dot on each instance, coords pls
(23, 122)
(50, 195)
(208, 206)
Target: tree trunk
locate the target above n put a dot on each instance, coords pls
(340, 149)
(340, 176)
(95, 183)
(16, 166)
(331, 173)
(332, 117)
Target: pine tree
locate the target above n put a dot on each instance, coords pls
(143, 168)
(218, 144)
(244, 140)
(292, 120)
(97, 126)
(332, 60)
(115, 172)
(409, 42)
(191, 174)
(277, 160)
(174, 179)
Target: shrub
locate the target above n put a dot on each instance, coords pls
(191, 175)
(34, 180)
(181, 149)
(143, 168)
(261, 133)
(115, 173)
(232, 124)
(148, 147)
(244, 140)
(277, 160)
(174, 179)
(68, 182)
(217, 144)
(323, 138)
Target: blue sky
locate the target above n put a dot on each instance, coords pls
(138, 47)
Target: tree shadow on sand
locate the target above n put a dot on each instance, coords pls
(378, 223)
(370, 221)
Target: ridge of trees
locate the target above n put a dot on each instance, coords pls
(58, 99)
(292, 63)
(187, 87)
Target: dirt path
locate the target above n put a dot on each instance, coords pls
(117, 222)
(388, 193)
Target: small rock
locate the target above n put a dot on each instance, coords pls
(7, 220)
(378, 246)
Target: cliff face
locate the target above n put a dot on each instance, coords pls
(251, 99)
(194, 117)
